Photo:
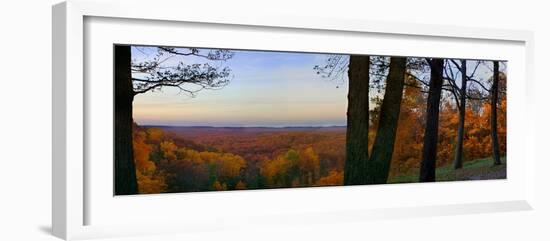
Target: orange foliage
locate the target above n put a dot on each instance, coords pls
(149, 180)
(200, 159)
(155, 134)
(141, 154)
(333, 179)
(410, 132)
(219, 187)
(150, 183)
(240, 186)
(293, 168)
(477, 138)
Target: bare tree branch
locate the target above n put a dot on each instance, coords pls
(152, 75)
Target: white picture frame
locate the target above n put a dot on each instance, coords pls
(75, 191)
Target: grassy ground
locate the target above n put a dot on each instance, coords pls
(480, 169)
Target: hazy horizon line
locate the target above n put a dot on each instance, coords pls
(245, 126)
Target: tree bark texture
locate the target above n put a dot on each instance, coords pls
(357, 121)
(125, 172)
(429, 151)
(494, 101)
(462, 113)
(378, 166)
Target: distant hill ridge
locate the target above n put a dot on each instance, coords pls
(243, 127)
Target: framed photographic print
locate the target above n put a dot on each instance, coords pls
(193, 119)
(280, 118)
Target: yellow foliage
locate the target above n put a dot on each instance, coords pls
(168, 149)
(309, 160)
(155, 134)
(309, 166)
(219, 187)
(230, 165)
(150, 183)
(273, 169)
(334, 178)
(240, 185)
(141, 153)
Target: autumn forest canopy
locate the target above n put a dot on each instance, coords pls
(191, 119)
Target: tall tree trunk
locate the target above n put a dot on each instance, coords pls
(378, 166)
(462, 112)
(429, 151)
(357, 135)
(125, 172)
(494, 101)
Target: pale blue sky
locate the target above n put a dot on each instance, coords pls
(267, 89)
(274, 89)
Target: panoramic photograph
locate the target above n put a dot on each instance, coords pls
(190, 119)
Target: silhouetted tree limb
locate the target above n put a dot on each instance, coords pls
(133, 78)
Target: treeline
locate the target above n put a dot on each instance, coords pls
(427, 112)
(257, 146)
(163, 166)
(400, 133)
(477, 144)
(167, 162)
(436, 91)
